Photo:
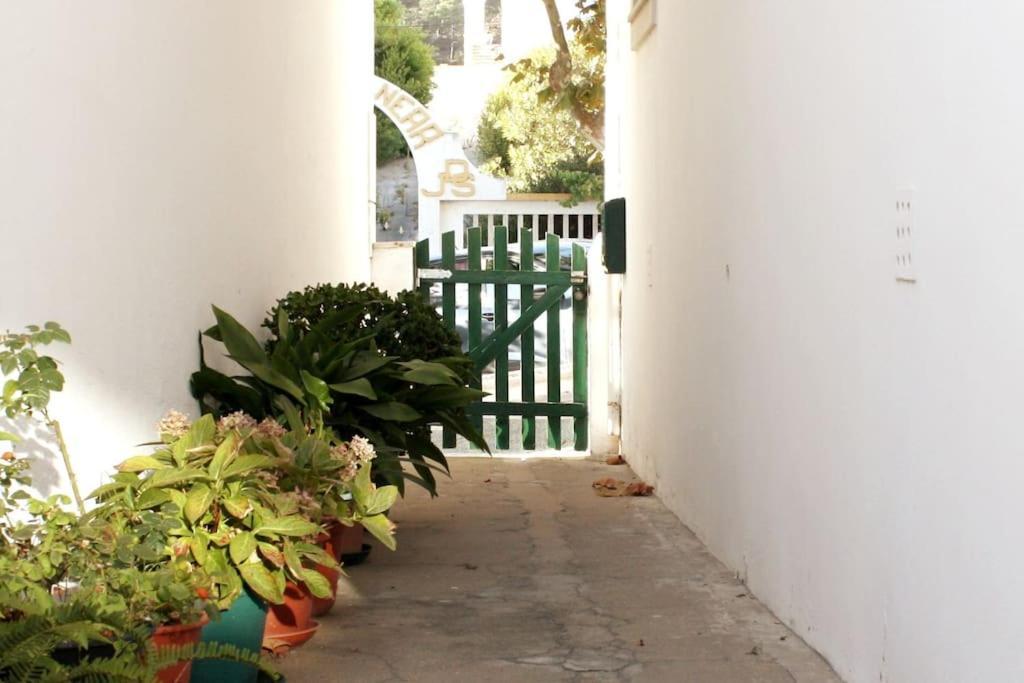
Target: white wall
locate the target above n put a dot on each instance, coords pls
(851, 445)
(158, 157)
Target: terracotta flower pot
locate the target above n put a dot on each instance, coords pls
(290, 624)
(170, 636)
(346, 540)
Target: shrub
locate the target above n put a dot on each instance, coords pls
(405, 327)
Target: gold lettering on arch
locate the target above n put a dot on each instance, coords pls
(416, 123)
(457, 175)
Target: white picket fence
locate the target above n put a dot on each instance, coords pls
(542, 214)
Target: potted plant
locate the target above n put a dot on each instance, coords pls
(351, 383)
(216, 482)
(335, 481)
(84, 578)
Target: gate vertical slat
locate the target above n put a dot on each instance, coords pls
(502, 440)
(448, 308)
(475, 307)
(528, 340)
(579, 347)
(423, 261)
(554, 348)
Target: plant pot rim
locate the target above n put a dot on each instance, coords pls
(165, 629)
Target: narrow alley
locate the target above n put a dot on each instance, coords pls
(520, 572)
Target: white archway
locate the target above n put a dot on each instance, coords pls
(444, 172)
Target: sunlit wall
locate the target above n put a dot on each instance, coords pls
(157, 157)
(850, 444)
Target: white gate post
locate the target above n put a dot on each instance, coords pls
(602, 335)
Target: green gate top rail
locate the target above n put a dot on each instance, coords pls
(541, 293)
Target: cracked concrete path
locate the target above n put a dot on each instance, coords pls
(520, 573)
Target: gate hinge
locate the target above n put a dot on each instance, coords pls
(578, 277)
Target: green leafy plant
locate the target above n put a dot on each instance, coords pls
(36, 378)
(334, 481)
(124, 571)
(402, 56)
(217, 486)
(347, 384)
(537, 145)
(404, 326)
(71, 642)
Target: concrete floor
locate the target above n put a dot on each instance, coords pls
(519, 572)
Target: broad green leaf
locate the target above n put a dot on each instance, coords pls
(382, 500)
(365, 367)
(293, 525)
(240, 343)
(223, 453)
(238, 506)
(165, 478)
(152, 498)
(262, 581)
(316, 554)
(7, 436)
(242, 547)
(244, 349)
(422, 372)
(291, 413)
(202, 432)
(317, 387)
(177, 497)
(244, 464)
(291, 557)
(200, 551)
(392, 410)
(106, 489)
(316, 582)
(272, 553)
(141, 463)
(362, 488)
(198, 502)
(357, 387)
(380, 527)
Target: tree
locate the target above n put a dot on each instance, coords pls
(574, 80)
(535, 144)
(402, 56)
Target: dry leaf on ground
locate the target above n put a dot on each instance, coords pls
(616, 488)
(639, 488)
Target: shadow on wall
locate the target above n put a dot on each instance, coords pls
(39, 444)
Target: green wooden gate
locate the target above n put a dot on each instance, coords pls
(541, 292)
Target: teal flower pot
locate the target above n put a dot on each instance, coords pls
(240, 625)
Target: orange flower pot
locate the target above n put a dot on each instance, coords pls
(173, 635)
(290, 624)
(346, 540)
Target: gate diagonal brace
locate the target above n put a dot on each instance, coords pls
(488, 350)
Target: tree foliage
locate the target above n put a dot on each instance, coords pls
(574, 79)
(402, 56)
(535, 143)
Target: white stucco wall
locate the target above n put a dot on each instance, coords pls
(849, 444)
(157, 157)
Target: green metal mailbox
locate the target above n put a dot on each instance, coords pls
(614, 228)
